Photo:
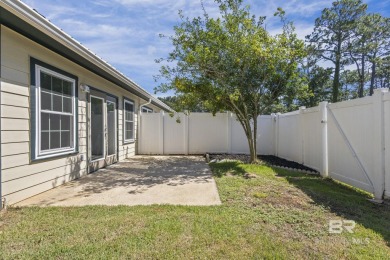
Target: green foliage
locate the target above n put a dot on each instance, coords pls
(382, 79)
(233, 63)
(184, 103)
(346, 35)
(332, 33)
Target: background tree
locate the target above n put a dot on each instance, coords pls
(382, 78)
(318, 80)
(332, 33)
(184, 103)
(377, 30)
(233, 63)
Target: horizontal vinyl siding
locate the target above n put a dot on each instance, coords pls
(13, 88)
(8, 124)
(14, 112)
(14, 136)
(15, 148)
(51, 175)
(14, 161)
(14, 100)
(21, 177)
(40, 187)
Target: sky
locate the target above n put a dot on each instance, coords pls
(125, 33)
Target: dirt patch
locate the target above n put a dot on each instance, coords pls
(264, 159)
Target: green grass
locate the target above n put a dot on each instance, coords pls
(278, 214)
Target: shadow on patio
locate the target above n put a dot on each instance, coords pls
(139, 180)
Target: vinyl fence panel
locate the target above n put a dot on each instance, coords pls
(386, 136)
(149, 134)
(208, 133)
(348, 141)
(350, 134)
(312, 155)
(289, 137)
(175, 134)
(265, 135)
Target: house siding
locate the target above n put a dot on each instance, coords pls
(22, 178)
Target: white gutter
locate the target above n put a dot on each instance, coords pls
(33, 18)
(141, 106)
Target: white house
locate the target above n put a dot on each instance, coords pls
(64, 111)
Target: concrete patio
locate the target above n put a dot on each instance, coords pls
(141, 180)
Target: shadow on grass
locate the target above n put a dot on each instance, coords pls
(343, 200)
(226, 168)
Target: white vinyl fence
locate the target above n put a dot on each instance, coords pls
(348, 141)
(199, 133)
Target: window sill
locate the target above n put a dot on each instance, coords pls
(129, 141)
(54, 156)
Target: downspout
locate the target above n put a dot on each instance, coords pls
(139, 122)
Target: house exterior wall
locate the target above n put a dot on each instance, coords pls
(22, 177)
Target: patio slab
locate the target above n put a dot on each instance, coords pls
(141, 180)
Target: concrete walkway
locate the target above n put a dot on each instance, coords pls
(141, 180)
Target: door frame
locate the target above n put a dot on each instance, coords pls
(104, 128)
(88, 130)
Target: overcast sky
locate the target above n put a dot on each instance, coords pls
(125, 33)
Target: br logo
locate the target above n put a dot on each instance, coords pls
(338, 226)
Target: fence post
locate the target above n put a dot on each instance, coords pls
(161, 133)
(301, 133)
(378, 179)
(324, 134)
(139, 130)
(277, 118)
(273, 129)
(186, 132)
(229, 132)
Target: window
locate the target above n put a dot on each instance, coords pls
(146, 110)
(128, 120)
(55, 113)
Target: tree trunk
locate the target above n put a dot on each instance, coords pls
(251, 137)
(336, 81)
(373, 75)
(361, 80)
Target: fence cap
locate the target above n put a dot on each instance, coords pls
(381, 90)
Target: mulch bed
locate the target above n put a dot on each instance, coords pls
(266, 159)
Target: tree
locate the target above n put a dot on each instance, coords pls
(383, 74)
(349, 85)
(233, 63)
(332, 32)
(180, 103)
(370, 43)
(377, 30)
(318, 80)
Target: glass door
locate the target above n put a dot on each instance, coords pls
(102, 130)
(111, 130)
(97, 128)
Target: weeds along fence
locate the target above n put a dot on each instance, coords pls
(348, 141)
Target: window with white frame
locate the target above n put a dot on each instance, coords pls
(128, 120)
(146, 110)
(55, 113)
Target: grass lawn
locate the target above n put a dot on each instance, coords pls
(276, 214)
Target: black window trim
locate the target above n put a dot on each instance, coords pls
(33, 108)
